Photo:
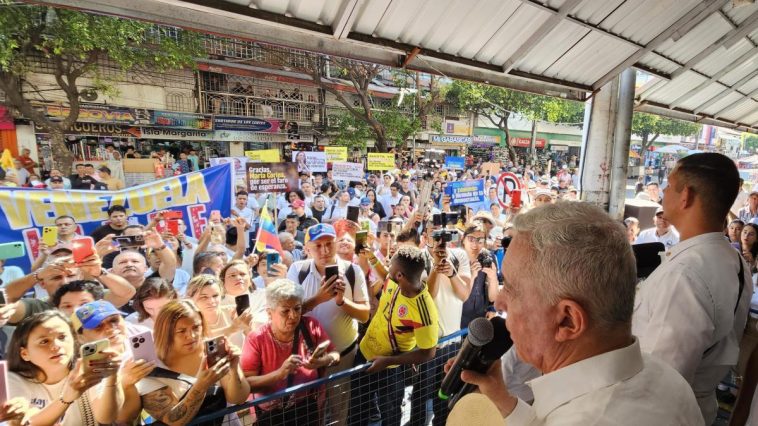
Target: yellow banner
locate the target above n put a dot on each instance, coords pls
(263, 156)
(336, 154)
(378, 161)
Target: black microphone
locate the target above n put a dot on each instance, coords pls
(485, 344)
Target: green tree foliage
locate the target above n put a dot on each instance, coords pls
(498, 105)
(749, 142)
(348, 130)
(649, 127)
(75, 43)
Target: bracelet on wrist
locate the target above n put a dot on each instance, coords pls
(64, 402)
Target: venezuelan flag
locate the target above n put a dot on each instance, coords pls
(267, 236)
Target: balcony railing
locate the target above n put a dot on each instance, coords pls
(258, 106)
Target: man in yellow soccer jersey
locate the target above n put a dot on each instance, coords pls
(403, 332)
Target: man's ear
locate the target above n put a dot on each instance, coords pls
(572, 320)
(687, 197)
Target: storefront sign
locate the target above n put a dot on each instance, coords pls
(491, 139)
(96, 129)
(24, 212)
(180, 120)
(526, 142)
(92, 113)
(457, 127)
(451, 139)
(309, 161)
(465, 192)
(379, 161)
(224, 122)
(263, 156)
(271, 177)
(335, 153)
(243, 136)
(348, 172)
(175, 134)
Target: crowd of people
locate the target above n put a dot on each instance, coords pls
(171, 326)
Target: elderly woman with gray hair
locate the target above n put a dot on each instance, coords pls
(290, 349)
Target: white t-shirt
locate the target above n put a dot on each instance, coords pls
(341, 327)
(449, 306)
(41, 395)
(669, 239)
(133, 318)
(257, 306)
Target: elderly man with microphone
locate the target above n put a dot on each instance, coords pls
(569, 291)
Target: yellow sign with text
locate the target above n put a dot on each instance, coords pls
(263, 156)
(379, 161)
(336, 154)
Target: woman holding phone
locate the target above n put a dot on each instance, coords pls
(207, 291)
(43, 368)
(237, 282)
(268, 272)
(188, 385)
(271, 363)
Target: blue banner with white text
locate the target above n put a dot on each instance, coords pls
(465, 192)
(25, 211)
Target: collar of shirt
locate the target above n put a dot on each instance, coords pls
(568, 383)
(692, 242)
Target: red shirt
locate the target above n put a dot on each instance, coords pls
(261, 354)
(26, 162)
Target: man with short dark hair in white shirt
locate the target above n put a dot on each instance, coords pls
(691, 311)
(574, 325)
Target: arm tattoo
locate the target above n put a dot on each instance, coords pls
(187, 408)
(158, 403)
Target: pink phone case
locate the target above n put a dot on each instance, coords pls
(143, 346)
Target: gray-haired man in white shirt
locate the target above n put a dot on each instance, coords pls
(574, 324)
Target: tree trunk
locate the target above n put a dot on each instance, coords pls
(63, 158)
(381, 143)
(511, 150)
(533, 144)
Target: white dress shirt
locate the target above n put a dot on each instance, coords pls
(669, 239)
(621, 387)
(687, 305)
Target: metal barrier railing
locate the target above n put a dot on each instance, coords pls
(306, 403)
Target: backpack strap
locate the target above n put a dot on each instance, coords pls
(302, 274)
(350, 276)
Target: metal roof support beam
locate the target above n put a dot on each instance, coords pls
(242, 22)
(745, 28)
(540, 34)
(346, 16)
(714, 78)
(749, 113)
(663, 110)
(732, 88)
(595, 28)
(697, 13)
(748, 98)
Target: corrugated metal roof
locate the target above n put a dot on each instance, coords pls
(559, 47)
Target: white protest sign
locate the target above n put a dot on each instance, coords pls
(310, 162)
(350, 172)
